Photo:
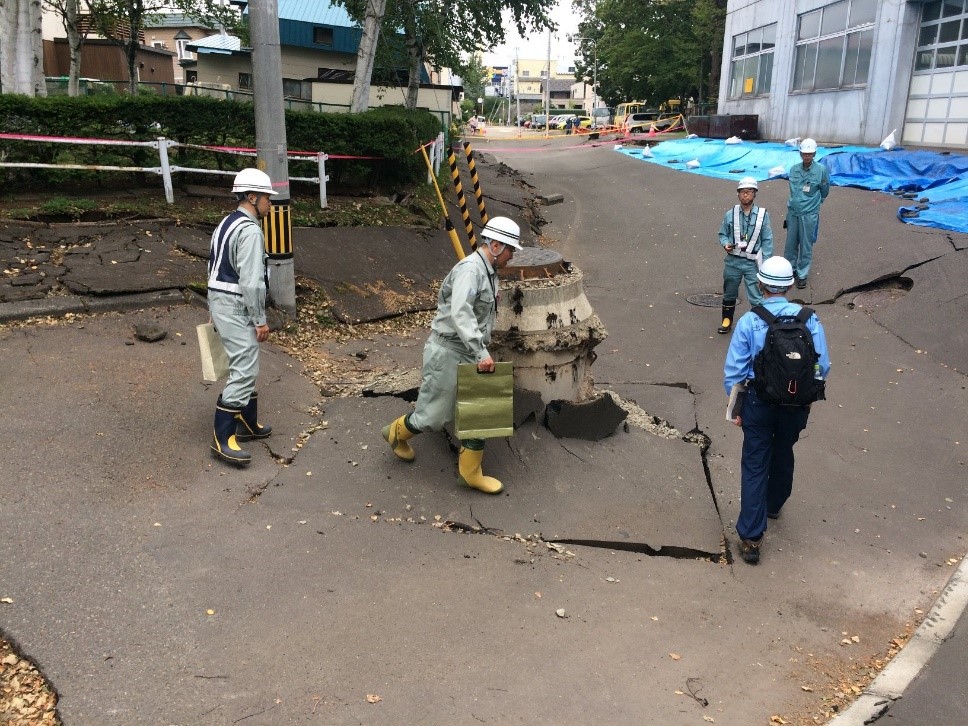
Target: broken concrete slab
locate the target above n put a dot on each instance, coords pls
(561, 488)
(591, 420)
(674, 404)
(923, 317)
(402, 264)
(549, 199)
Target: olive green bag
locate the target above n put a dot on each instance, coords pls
(485, 402)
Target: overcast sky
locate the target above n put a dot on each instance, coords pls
(536, 45)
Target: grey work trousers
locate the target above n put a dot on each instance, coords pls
(235, 327)
(437, 400)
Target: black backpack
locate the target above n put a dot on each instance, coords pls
(786, 370)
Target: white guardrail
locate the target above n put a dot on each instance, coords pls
(165, 169)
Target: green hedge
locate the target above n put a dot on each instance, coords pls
(392, 134)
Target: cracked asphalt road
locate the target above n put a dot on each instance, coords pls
(339, 581)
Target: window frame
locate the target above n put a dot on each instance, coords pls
(323, 31)
(816, 44)
(940, 53)
(762, 57)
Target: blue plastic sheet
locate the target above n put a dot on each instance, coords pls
(942, 177)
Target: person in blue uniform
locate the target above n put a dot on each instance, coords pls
(809, 186)
(769, 431)
(747, 237)
(460, 333)
(237, 303)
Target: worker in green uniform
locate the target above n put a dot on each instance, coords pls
(460, 333)
(809, 186)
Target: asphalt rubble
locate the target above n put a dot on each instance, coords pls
(329, 583)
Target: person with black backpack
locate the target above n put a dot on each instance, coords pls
(779, 353)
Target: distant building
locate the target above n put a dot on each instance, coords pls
(849, 71)
(529, 82)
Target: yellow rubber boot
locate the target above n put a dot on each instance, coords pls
(397, 435)
(469, 465)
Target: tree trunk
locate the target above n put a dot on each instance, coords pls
(414, 66)
(375, 9)
(74, 40)
(22, 49)
(131, 49)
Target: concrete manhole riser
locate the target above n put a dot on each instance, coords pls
(547, 327)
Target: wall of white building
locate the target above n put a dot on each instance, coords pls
(859, 115)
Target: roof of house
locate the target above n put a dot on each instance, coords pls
(176, 20)
(220, 43)
(319, 12)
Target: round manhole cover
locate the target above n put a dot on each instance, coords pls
(532, 262)
(706, 299)
(878, 298)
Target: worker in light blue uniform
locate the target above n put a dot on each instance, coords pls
(237, 302)
(460, 333)
(809, 186)
(769, 431)
(747, 237)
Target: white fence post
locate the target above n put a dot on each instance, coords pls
(321, 157)
(163, 145)
(439, 150)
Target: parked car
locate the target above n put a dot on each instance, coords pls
(538, 121)
(558, 122)
(601, 117)
(640, 122)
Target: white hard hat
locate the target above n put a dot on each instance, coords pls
(776, 273)
(747, 182)
(808, 146)
(253, 180)
(502, 229)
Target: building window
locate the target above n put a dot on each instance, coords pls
(180, 46)
(291, 88)
(322, 36)
(943, 36)
(245, 81)
(752, 68)
(834, 46)
(525, 74)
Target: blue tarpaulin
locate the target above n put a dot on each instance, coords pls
(942, 177)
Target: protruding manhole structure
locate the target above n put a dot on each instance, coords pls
(546, 326)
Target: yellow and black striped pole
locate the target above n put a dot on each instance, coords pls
(474, 180)
(459, 188)
(454, 239)
(277, 228)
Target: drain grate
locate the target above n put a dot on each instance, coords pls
(706, 299)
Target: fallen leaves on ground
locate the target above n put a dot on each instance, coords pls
(26, 699)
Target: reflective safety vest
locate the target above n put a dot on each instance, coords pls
(748, 248)
(222, 276)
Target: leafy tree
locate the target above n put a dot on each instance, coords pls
(652, 49)
(443, 33)
(123, 20)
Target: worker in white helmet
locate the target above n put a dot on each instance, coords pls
(460, 333)
(747, 237)
(809, 186)
(237, 302)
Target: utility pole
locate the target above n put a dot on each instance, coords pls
(548, 89)
(272, 149)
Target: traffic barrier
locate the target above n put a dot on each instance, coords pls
(459, 188)
(469, 153)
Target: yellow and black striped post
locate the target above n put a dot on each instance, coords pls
(474, 180)
(277, 231)
(459, 188)
(277, 228)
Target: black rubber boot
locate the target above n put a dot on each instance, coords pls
(249, 427)
(728, 311)
(225, 446)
